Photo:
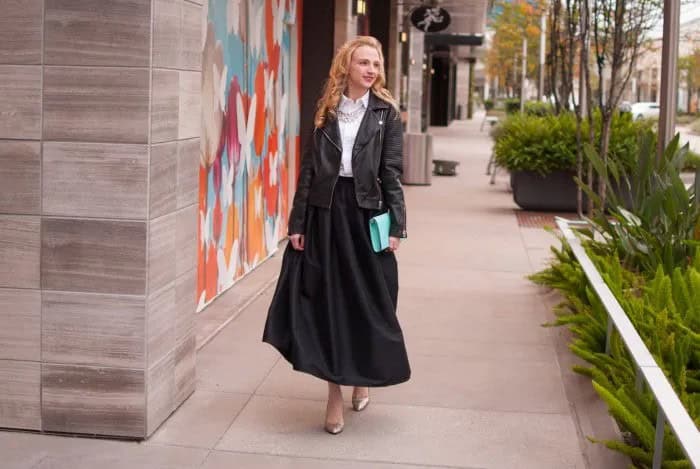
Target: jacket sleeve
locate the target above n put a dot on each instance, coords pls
(297, 218)
(390, 170)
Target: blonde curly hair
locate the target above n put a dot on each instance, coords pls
(338, 79)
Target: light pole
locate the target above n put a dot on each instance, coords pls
(523, 76)
(543, 27)
(669, 73)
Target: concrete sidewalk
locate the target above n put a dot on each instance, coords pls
(490, 386)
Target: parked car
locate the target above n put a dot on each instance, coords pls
(645, 110)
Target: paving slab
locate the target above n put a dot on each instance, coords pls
(408, 434)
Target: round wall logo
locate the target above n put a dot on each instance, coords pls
(430, 19)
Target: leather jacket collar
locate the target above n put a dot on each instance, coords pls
(369, 126)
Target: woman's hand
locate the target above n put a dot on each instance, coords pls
(393, 244)
(297, 241)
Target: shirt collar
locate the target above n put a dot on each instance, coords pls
(345, 101)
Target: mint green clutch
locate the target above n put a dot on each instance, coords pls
(379, 231)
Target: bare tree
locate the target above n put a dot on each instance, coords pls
(619, 28)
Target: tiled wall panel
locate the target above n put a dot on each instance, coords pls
(20, 32)
(99, 156)
(96, 32)
(20, 399)
(97, 256)
(19, 250)
(20, 101)
(20, 324)
(20, 177)
(93, 329)
(83, 399)
(96, 104)
(94, 180)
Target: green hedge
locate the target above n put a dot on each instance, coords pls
(650, 262)
(547, 143)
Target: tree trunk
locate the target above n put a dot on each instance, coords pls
(606, 121)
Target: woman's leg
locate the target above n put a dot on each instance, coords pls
(334, 409)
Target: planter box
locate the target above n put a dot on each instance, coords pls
(555, 191)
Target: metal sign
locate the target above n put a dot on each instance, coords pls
(430, 19)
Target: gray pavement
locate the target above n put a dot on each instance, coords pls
(491, 388)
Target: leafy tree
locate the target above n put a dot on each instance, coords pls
(511, 22)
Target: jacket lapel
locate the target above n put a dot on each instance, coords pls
(368, 127)
(370, 124)
(332, 131)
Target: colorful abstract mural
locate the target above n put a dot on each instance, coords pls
(250, 133)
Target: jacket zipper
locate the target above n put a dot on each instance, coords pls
(337, 175)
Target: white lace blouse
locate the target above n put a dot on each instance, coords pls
(348, 130)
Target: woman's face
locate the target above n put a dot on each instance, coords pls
(364, 67)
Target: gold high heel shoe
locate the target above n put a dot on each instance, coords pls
(359, 404)
(334, 428)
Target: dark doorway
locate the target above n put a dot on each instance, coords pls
(440, 90)
(379, 18)
(318, 22)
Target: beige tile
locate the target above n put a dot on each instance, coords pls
(96, 105)
(165, 105)
(93, 32)
(20, 177)
(186, 303)
(95, 180)
(185, 369)
(201, 420)
(190, 119)
(187, 172)
(227, 460)
(97, 256)
(161, 392)
(167, 33)
(454, 383)
(161, 319)
(102, 401)
(407, 435)
(20, 102)
(19, 395)
(20, 32)
(163, 199)
(215, 370)
(90, 329)
(20, 324)
(186, 240)
(191, 57)
(33, 450)
(20, 244)
(131, 456)
(161, 252)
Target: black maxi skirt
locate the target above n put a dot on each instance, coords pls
(333, 314)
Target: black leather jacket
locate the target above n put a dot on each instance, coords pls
(377, 164)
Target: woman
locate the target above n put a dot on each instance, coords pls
(333, 314)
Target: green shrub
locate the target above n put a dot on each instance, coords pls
(512, 105)
(488, 104)
(665, 311)
(547, 143)
(648, 260)
(533, 143)
(538, 108)
(692, 161)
